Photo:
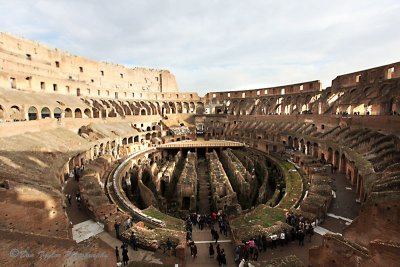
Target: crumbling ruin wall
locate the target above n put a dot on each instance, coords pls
(336, 251)
(223, 194)
(36, 67)
(187, 183)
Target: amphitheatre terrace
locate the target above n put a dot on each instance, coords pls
(94, 154)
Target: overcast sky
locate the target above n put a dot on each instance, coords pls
(218, 45)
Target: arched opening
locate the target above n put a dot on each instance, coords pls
(315, 150)
(96, 113)
(112, 113)
(186, 203)
(330, 156)
(125, 141)
(148, 128)
(68, 113)
(163, 186)
(78, 113)
(101, 152)
(148, 135)
(104, 113)
(1, 113)
(296, 143)
(87, 112)
(15, 113)
(290, 142)
(308, 148)
(32, 114)
(136, 139)
(57, 113)
(95, 151)
(302, 146)
(143, 112)
(45, 113)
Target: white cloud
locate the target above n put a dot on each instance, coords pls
(218, 45)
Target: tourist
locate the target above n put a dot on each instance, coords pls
(237, 255)
(218, 249)
(116, 227)
(242, 263)
(293, 234)
(69, 199)
(169, 246)
(255, 253)
(223, 258)
(133, 241)
(117, 254)
(125, 258)
(264, 242)
(282, 238)
(274, 239)
(216, 236)
(310, 232)
(193, 250)
(300, 237)
(211, 250)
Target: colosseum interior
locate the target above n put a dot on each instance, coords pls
(136, 155)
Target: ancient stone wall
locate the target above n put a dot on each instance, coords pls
(221, 188)
(187, 184)
(33, 66)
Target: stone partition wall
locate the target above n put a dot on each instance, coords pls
(186, 187)
(223, 194)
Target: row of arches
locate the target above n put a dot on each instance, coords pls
(144, 108)
(57, 113)
(269, 105)
(330, 155)
(100, 109)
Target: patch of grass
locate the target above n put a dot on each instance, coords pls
(262, 215)
(293, 184)
(171, 222)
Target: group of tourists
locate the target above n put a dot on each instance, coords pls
(125, 257)
(250, 249)
(203, 221)
(221, 257)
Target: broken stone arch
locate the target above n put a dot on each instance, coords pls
(15, 113)
(88, 113)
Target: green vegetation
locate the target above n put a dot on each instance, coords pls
(262, 215)
(293, 182)
(171, 222)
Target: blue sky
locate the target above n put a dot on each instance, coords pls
(218, 45)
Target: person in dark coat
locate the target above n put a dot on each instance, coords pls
(223, 258)
(264, 242)
(133, 242)
(300, 236)
(211, 250)
(125, 258)
(216, 236)
(117, 254)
